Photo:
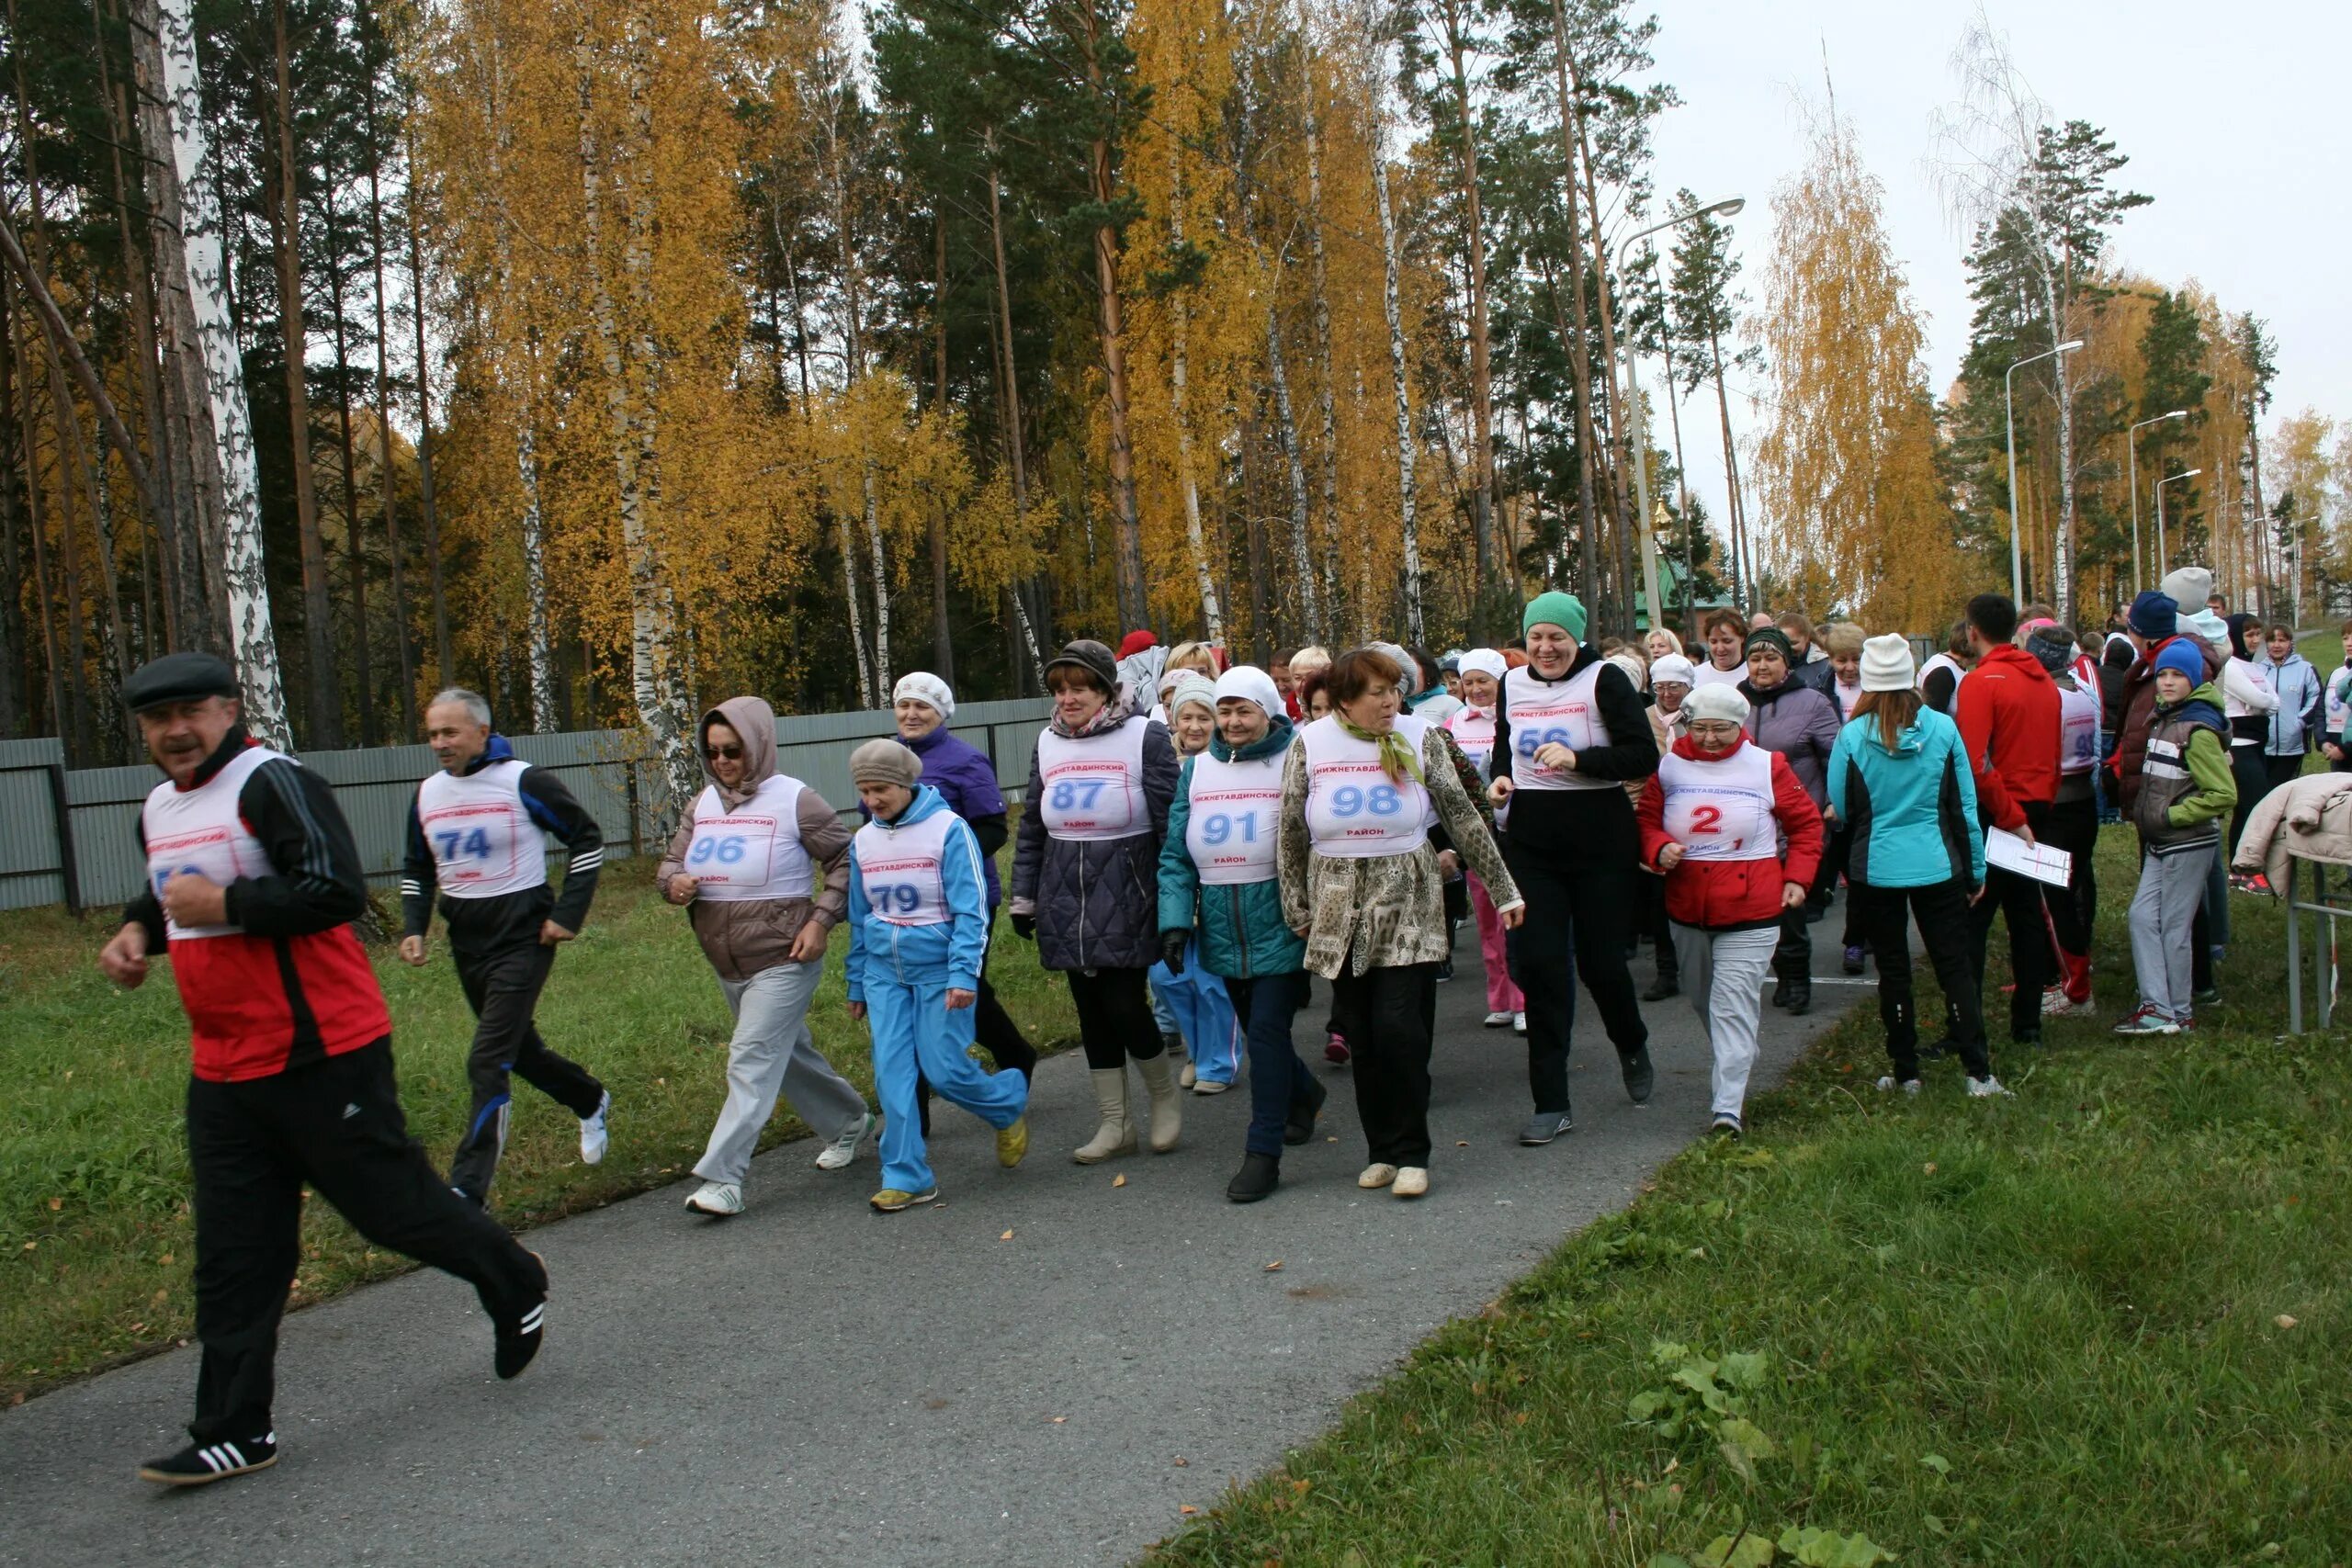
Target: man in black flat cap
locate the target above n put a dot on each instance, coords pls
(253, 880)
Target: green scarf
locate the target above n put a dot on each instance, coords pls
(1397, 758)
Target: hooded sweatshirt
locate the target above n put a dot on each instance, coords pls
(742, 937)
(1911, 809)
(2010, 720)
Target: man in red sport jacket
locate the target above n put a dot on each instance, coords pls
(2007, 710)
(253, 880)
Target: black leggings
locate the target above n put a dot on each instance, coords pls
(1114, 1017)
(1577, 922)
(1885, 915)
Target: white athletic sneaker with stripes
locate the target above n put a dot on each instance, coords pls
(838, 1154)
(596, 1132)
(199, 1463)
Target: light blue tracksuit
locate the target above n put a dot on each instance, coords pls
(1203, 1015)
(902, 965)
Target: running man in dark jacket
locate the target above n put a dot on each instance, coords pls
(474, 831)
(253, 880)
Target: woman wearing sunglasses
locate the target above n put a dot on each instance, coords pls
(761, 866)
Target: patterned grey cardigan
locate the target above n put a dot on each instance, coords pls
(1384, 910)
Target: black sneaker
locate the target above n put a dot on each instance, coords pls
(1544, 1126)
(516, 1343)
(1636, 1066)
(1299, 1127)
(1800, 997)
(1258, 1177)
(199, 1464)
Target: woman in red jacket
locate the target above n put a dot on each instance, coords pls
(1738, 840)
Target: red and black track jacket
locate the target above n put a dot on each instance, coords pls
(292, 984)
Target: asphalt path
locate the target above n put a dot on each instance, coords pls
(1047, 1366)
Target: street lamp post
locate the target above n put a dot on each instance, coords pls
(2131, 446)
(2163, 554)
(1725, 208)
(2009, 399)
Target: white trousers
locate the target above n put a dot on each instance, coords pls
(773, 1053)
(1722, 974)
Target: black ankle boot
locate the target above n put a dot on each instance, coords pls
(1800, 996)
(1258, 1176)
(1299, 1127)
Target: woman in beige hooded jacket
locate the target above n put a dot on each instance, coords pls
(761, 863)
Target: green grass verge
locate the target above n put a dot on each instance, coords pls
(2101, 1322)
(94, 1233)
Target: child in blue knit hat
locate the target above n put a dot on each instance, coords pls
(2185, 788)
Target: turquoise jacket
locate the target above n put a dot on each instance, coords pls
(1241, 930)
(949, 952)
(1912, 810)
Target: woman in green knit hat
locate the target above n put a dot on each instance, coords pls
(1569, 735)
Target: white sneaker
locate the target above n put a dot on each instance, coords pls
(1412, 1182)
(1377, 1176)
(1499, 1020)
(1519, 1022)
(596, 1135)
(1208, 1086)
(843, 1149)
(1987, 1087)
(1188, 1077)
(1908, 1086)
(717, 1199)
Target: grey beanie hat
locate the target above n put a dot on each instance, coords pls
(885, 761)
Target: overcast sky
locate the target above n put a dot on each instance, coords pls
(2234, 118)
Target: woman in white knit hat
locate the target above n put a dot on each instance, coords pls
(1900, 781)
(1737, 838)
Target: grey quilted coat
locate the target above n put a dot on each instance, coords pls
(1097, 901)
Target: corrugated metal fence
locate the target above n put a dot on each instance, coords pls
(71, 836)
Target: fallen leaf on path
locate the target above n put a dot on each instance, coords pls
(1182, 1461)
(1006, 1236)
(1119, 1180)
(2283, 1320)
(1275, 1266)
(1188, 1509)
(1060, 1419)
(55, 1205)
(1461, 1143)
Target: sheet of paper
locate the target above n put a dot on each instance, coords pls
(2040, 861)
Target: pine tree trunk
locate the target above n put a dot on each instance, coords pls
(1482, 411)
(402, 651)
(245, 582)
(1621, 422)
(323, 708)
(195, 461)
(1179, 371)
(1135, 602)
(1014, 442)
(15, 656)
(1407, 511)
(44, 595)
(1580, 347)
(354, 552)
(165, 513)
(444, 660)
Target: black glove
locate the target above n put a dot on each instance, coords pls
(1172, 950)
(1025, 927)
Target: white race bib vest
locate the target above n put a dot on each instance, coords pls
(1354, 811)
(483, 838)
(1093, 788)
(1474, 730)
(1229, 819)
(1721, 811)
(1708, 675)
(1939, 661)
(1565, 712)
(198, 830)
(752, 852)
(900, 869)
(2078, 730)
